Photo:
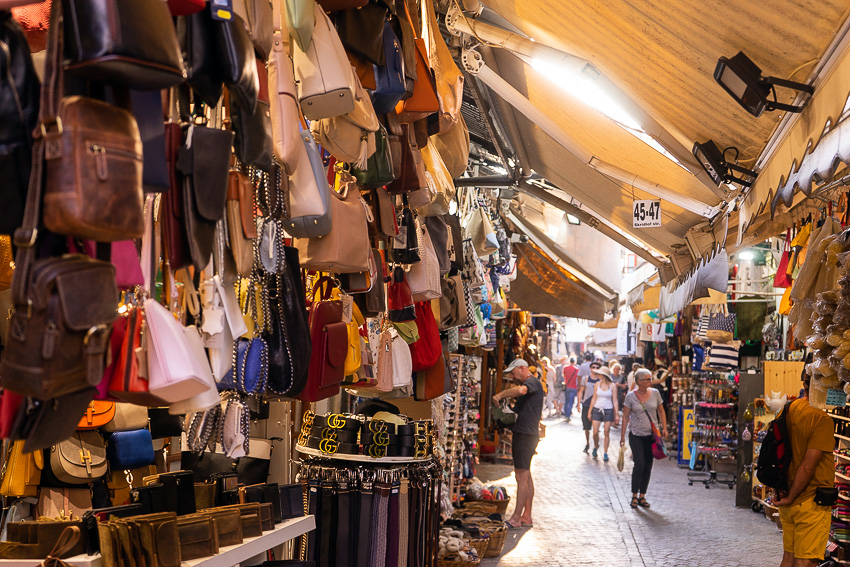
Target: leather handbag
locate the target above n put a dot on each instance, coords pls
(438, 231)
(127, 382)
(406, 243)
(250, 371)
(389, 77)
(480, 229)
(329, 338)
(364, 71)
(62, 502)
(423, 102)
(346, 248)
(185, 7)
(97, 415)
(435, 381)
(241, 228)
(11, 406)
(198, 537)
(80, 459)
(411, 175)
(129, 43)
(323, 74)
(257, 16)
(163, 424)
(309, 211)
(283, 101)
(424, 276)
(45, 423)
(449, 79)
(128, 417)
(379, 166)
(208, 397)
(374, 301)
(361, 31)
(174, 375)
(453, 145)
(452, 303)
(300, 19)
(253, 130)
(127, 450)
(350, 138)
(251, 469)
(18, 122)
(197, 36)
(399, 298)
(205, 165)
(425, 352)
(21, 471)
(289, 340)
(440, 181)
(238, 62)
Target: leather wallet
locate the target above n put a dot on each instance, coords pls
(250, 517)
(228, 525)
(263, 493)
(291, 501)
(204, 495)
(151, 498)
(153, 538)
(179, 491)
(198, 536)
(92, 517)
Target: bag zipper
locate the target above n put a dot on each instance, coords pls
(101, 154)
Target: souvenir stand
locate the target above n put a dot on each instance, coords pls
(252, 289)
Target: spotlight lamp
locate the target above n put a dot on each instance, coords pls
(713, 161)
(742, 79)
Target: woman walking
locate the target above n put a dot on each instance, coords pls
(642, 409)
(604, 409)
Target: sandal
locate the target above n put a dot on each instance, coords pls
(643, 503)
(634, 503)
(511, 526)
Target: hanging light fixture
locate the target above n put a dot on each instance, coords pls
(742, 79)
(713, 161)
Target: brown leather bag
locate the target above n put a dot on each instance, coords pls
(198, 537)
(423, 102)
(240, 221)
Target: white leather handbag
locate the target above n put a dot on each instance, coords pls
(309, 193)
(175, 371)
(283, 100)
(402, 366)
(210, 396)
(350, 138)
(424, 276)
(323, 74)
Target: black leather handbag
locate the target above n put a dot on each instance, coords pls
(204, 165)
(361, 31)
(197, 38)
(238, 62)
(19, 98)
(131, 43)
(253, 130)
(289, 342)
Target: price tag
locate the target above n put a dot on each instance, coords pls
(836, 397)
(646, 213)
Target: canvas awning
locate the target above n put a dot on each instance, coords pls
(542, 286)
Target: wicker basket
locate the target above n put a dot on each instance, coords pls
(501, 505)
(480, 507)
(498, 535)
(454, 560)
(481, 545)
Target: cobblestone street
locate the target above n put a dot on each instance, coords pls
(582, 514)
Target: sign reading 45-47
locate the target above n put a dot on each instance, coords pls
(646, 213)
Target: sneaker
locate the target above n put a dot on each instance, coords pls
(605, 457)
(595, 452)
(586, 448)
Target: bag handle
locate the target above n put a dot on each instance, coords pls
(416, 35)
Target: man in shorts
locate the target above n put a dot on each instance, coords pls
(526, 435)
(805, 522)
(585, 394)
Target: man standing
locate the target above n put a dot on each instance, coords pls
(526, 435)
(805, 524)
(570, 374)
(585, 394)
(584, 367)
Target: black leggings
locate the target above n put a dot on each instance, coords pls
(642, 450)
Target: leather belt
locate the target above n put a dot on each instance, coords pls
(337, 421)
(379, 451)
(393, 530)
(389, 439)
(376, 425)
(364, 526)
(341, 435)
(332, 447)
(415, 428)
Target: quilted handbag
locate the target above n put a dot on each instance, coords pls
(251, 366)
(283, 101)
(128, 450)
(389, 77)
(425, 352)
(329, 337)
(323, 74)
(97, 415)
(309, 196)
(424, 276)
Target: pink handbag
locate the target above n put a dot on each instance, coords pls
(125, 258)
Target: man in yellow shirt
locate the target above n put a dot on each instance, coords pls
(805, 524)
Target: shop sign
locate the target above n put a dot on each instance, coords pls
(836, 397)
(687, 423)
(646, 213)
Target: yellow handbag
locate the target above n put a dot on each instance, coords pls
(22, 471)
(7, 262)
(785, 304)
(354, 358)
(250, 312)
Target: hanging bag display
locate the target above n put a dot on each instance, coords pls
(389, 77)
(361, 31)
(78, 460)
(425, 352)
(406, 242)
(350, 138)
(252, 142)
(399, 298)
(424, 276)
(197, 36)
(283, 101)
(309, 211)
(241, 228)
(440, 180)
(329, 338)
(721, 327)
(300, 19)
(323, 74)
(782, 279)
(434, 381)
(423, 102)
(449, 79)
(21, 471)
(238, 61)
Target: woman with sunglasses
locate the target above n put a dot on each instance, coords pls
(642, 409)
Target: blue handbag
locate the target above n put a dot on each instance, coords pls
(250, 371)
(389, 78)
(126, 450)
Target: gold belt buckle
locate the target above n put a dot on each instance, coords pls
(308, 419)
(336, 421)
(377, 451)
(377, 426)
(329, 446)
(330, 434)
(381, 438)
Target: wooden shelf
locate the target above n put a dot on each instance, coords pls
(840, 456)
(841, 417)
(226, 557)
(842, 437)
(842, 477)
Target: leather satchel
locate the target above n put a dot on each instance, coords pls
(323, 74)
(196, 33)
(253, 130)
(129, 43)
(346, 248)
(379, 166)
(80, 459)
(21, 471)
(127, 450)
(198, 537)
(389, 77)
(351, 137)
(205, 167)
(329, 337)
(97, 415)
(361, 31)
(283, 102)
(309, 211)
(242, 230)
(238, 62)
(423, 102)
(435, 381)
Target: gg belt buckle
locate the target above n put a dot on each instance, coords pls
(381, 438)
(377, 426)
(302, 439)
(329, 446)
(330, 434)
(335, 421)
(377, 451)
(308, 419)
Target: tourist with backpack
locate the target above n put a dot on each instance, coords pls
(805, 505)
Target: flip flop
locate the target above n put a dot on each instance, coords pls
(512, 527)
(527, 525)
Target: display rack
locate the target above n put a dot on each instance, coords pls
(461, 411)
(839, 547)
(714, 436)
(359, 458)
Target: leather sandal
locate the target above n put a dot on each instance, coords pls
(634, 503)
(643, 503)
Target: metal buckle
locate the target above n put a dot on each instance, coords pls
(329, 446)
(57, 122)
(377, 426)
(308, 419)
(420, 453)
(330, 434)
(377, 451)
(302, 439)
(92, 332)
(381, 438)
(336, 421)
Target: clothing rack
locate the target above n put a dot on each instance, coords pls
(714, 437)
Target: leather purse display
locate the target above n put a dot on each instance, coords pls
(78, 460)
(452, 303)
(196, 34)
(21, 471)
(127, 383)
(425, 352)
(36, 540)
(350, 137)
(411, 174)
(443, 184)
(250, 371)
(228, 524)
(128, 417)
(205, 167)
(127, 450)
(323, 74)
(198, 537)
(361, 31)
(406, 243)
(438, 231)
(150, 497)
(252, 525)
(129, 43)
(346, 248)
(253, 130)
(178, 491)
(97, 415)
(283, 102)
(389, 77)
(329, 336)
(374, 301)
(228, 472)
(238, 62)
(152, 537)
(423, 102)
(62, 502)
(379, 166)
(266, 493)
(309, 211)
(399, 299)
(435, 381)
(240, 221)
(92, 517)
(424, 276)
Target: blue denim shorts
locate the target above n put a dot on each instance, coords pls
(598, 414)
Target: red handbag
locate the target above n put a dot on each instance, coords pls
(127, 383)
(185, 7)
(116, 339)
(435, 381)
(782, 279)
(425, 352)
(329, 337)
(10, 405)
(400, 298)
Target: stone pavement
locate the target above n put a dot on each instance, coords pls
(582, 515)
